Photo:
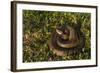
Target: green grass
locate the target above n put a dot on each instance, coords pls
(37, 26)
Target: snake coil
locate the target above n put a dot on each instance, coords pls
(66, 40)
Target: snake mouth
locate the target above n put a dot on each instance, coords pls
(63, 43)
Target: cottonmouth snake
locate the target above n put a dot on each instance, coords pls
(66, 40)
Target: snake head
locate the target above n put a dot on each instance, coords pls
(62, 33)
(59, 32)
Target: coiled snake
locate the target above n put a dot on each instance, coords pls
(66, 40)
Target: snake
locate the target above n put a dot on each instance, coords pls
(66, 40)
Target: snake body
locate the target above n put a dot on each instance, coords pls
(65, 40)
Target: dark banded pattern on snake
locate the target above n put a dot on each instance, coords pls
(66, 40)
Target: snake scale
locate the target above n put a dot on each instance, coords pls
(66, 40)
